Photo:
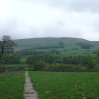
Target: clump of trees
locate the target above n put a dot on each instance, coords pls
(11, 59)
(84, 45)
(96, 52)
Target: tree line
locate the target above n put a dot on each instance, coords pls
(34, 52)
(47, 62)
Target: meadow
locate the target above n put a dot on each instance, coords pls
(12, 87)
(66, 85)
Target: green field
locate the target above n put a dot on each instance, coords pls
(52, 85)
(66, 85)
(21, 64)
(12, 87)
(23, 60)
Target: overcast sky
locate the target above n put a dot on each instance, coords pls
(49, 18)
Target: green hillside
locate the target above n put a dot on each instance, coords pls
(70, 44)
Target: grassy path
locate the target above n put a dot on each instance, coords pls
(29, 92)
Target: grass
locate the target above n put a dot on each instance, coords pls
(21, 64)
(65, 85)
(23, 60)
(12, 87)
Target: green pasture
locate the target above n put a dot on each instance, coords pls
(12, 87)
(21, 64)
(69, 43)
(66, 85)
(23, 60)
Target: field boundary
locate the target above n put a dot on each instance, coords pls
(10, 69)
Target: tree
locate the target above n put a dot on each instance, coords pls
(96, 52)
(6, 45)
(61, 43)
(40, 65)
(91, 63)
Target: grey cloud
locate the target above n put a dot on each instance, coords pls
(96, 28)
(51, 18)
(61, 23)
(6, 29)
(72, 5)
(84, 5)
(78, 5)
(13, 29)
(58, 31)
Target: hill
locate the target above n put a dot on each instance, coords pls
(63, 44)
(34, 42)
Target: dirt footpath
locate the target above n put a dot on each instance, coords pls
(29, 92)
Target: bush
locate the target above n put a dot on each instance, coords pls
(40, 65)
(91, 64)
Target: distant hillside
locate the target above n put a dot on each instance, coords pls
(70, 44)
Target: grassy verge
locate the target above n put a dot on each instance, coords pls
(56, 85)
(12, 87)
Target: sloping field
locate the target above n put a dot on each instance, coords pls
(65, 85)
(70, 44)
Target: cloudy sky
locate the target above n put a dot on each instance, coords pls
(49, 18)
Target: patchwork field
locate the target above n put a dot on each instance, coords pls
(65, 85)
(12, 87)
